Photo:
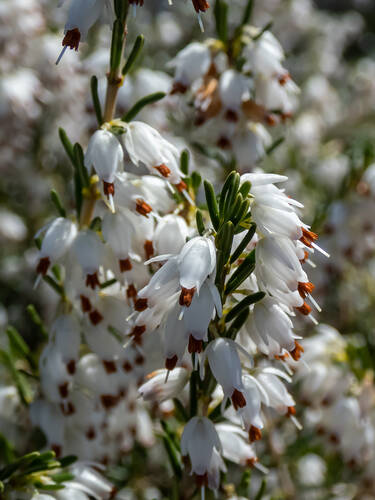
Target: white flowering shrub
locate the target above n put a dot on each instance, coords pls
(180, 354)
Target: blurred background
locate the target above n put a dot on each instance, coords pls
(328, 152)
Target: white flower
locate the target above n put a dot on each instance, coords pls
(105, 154)
(118, 232)
(235, 447)
(145, 145)
(199, 440)
(233, 90)
(89, 251)
(81, 16)
(271, 328)
(67, 339)
(264, 56)
(175, 338)
(278, 396)
(225, 365)
(249, 145)
(57, 241)
(251, 413)
(170, 234)
(157, 388)
(274, 95)
(191, 63)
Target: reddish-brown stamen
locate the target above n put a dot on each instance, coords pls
(108, 188)
(140, 304)
(92, 280)
(304, 309)
(195, 345)
(231, 116)
(91, 434)
(72, 39)
(43, 266)
(95, 317)
(171, 363)
(163, 170)
(305, 288)
(85, 303)
(64, 390)
(238, 399)
(178, 88)
(181, 186)
(142, 207)
(291, 411)
(127, 367)
(71, 367)
(110, 366)
(255, 434)
(131, 292)
(149, 249)
(109, 401)
(67, 409)
(186, 296)
(224, 143)
(125, 265)
(200, 5)
(138, 331)
(139, 360)
(201, 480)
(57, 449)
(284, 78)
(297, 351)
(308, 237)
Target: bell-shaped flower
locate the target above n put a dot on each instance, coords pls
(233, 90)
(146, 146)
(191, 63)
(89, 252)
(55, 379)
(159, 388)
(225, 366)
(81, 16)
(105, 154)
(49, 418)
(66, 335)
(175, 339)
(264, 55)
(251, 413)
(269, 322)
(196, 262)
(273, 95)
(249, 145)
(170, 234)
(118, 232)
(235, 445)
(198, 441)
(198, 316)
(56, 243)
(278, 396)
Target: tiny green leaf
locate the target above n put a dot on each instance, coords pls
(134, 54)
(200, 223)
(138, 106)
(57, 202)
(212, 204)
(95, 99)
(184, 162)
(245, 303)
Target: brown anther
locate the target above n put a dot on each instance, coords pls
(85, 303)
(255, 434)
(171, 363)
(108, 400)
(305, 257)
(334, 439)
(224, 143)
(231, 116)
(291, 411)
(67, 409)
(140, 304)
(297, 351)
(186, 296)
(64, 390)
(195, 345)
(200, 5)
(281, 357)
(163, 170)
(127, 367)
(308, 237)
(108, 188)
(72, 39)
(71, 367)
(181, 186)
(270, 119)
(110, 366)
(286, 116)
(95, 317)
(149, 249)
(178, 88)
(139, 360)
(138, 330)
(201, 480)
(131, 292)
(92, 280)
(91, 434)
(136, 2)
(250, 462)
(56, 448)
(114, 490)
(238, 399)
(125, 265)
(142, 207)
(43, 266)
(284, 78)
(304, 309)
